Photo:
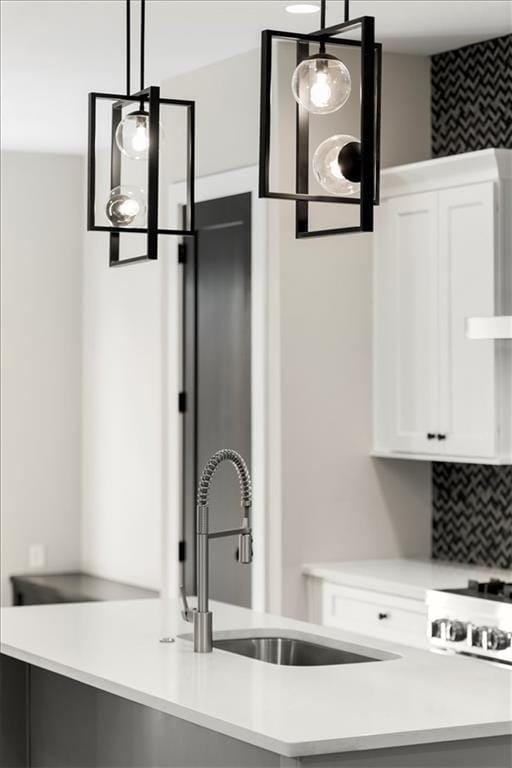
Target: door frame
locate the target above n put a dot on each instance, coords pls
(226, 184)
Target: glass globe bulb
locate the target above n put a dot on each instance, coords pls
(321, 84)
(126, 205)
(337, 165)
(132, 135)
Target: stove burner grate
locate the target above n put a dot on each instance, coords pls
(492, 588)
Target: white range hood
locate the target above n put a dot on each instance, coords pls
(498, 327)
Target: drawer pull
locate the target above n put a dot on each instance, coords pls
(382, 615)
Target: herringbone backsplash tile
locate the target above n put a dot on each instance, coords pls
(472, 515)
(472, 98)
(471, 110)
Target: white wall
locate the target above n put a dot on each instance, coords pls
(227, 111)
(42, 224)
(337, 502)
(82, 372)
(123, 427)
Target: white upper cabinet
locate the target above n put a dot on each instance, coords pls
(443, 253)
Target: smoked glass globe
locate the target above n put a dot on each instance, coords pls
(126, 205)
(337, 165)
(132, 135)
(321, 84)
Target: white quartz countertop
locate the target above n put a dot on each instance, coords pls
(405, 577)
(418, 697)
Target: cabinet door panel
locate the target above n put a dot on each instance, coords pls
(466, 264)
(414, 302)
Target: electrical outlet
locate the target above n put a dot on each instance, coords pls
(36, 556)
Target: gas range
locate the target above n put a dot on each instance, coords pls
(474, 620)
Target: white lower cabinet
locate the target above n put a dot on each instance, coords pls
(443, 253)
(375, 614)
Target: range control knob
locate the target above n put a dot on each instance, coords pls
(456, 631)
(437, 627)
(446, 629)
(491, 638)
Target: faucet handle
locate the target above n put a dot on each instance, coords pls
(187, 613)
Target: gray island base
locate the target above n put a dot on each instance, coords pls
(51, 721)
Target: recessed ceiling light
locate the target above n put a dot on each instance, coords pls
(302, 8)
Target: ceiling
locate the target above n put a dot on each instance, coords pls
(55, 51)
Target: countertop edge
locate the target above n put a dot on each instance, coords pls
(398, 739)
(283, 748)
(383, 586)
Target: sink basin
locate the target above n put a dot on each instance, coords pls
(293, 648)
(289, 651)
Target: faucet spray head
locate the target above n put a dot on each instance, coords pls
(245, 546)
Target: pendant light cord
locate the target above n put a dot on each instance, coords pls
(347, 16)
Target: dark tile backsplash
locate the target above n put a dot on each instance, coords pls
(472, 97)
(472, 514)
(471, 110)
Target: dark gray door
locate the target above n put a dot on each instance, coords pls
(217, 364)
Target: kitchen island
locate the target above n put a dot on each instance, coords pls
(91, 684)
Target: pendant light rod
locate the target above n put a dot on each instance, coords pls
(323, 4)
(142, 40)
(128, 46)
(323, 10)
(323, 13)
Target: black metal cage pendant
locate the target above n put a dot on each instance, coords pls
(135, 135)
(346, 169)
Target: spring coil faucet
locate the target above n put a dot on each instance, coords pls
(202, 617)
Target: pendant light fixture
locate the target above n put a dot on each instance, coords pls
(135, 133)
(345, 167)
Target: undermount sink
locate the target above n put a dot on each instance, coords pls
(294, 653)
(294, 649)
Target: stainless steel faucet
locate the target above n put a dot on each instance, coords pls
(201, 616)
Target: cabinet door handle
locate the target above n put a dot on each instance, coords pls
(431, 435)
(441, 437)
(382, 615)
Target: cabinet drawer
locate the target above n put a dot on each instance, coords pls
(396, 619)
